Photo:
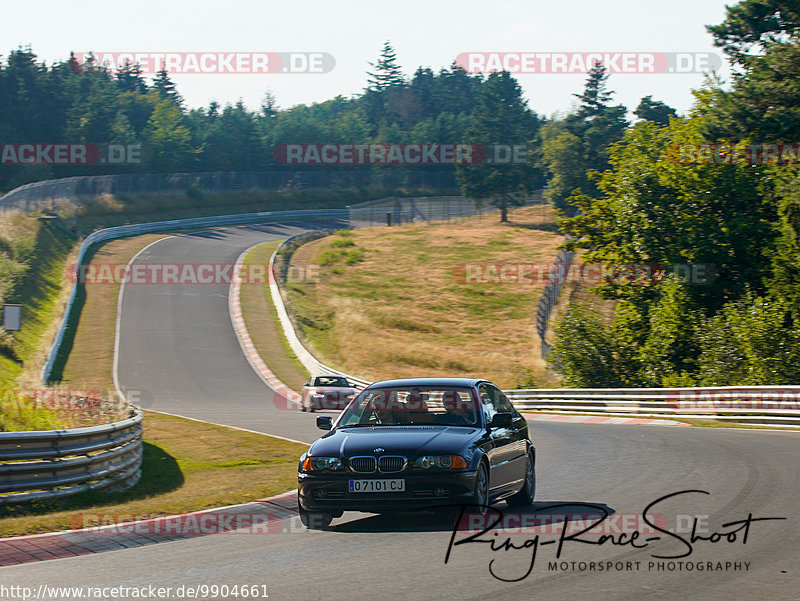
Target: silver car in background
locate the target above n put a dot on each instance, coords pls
(326, 391)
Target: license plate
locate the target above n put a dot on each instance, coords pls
(383, 485)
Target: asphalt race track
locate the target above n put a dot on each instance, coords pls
(178, 348)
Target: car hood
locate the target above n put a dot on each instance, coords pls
(342, 389)
(394, 440)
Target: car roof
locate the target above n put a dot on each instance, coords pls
(410, 382)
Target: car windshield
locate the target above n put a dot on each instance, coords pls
(331, 381)
(438, 405)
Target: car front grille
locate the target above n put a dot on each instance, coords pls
(391, 463)
(363, 465)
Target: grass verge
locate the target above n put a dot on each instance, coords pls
(188, 466)
(37, 287)
(33, 256)
(264, 327)
(699, 423)
(395, 302)
(107, 210)
(714, 423)
(88, 356)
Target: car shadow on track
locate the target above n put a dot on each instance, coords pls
(542, 516)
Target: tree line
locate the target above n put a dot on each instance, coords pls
(86, 103)
(624, 197)
(74, 102)
(738, 216)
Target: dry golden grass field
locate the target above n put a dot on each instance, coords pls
(394, 302)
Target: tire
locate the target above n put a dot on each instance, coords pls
(315, 520)
(526, 495)
(480, 495)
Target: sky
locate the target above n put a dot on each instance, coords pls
(342, 38)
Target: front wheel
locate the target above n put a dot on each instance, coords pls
(315, 520)
(480, 495)
(525, 496)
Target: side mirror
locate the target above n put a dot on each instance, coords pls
(500, 420)
(324, 422)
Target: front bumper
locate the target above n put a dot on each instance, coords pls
(329, 492)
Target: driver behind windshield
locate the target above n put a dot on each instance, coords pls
(393, 407)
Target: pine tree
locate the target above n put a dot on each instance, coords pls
(501, 119)
(129, 78)
(595, 95)
(592, 129)
(753, 26)
(166, 88)
(387, 72)
(654, 111)
(269, 105)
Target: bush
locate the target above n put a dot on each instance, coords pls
(194, 193)
(671, 347)
(751, 342)
(583, 351)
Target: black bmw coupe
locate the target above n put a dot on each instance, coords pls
(415, 444)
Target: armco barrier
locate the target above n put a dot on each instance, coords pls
(350, 215)
(57, 463)
(123, 231)
(774, 405)
(301, 352)
(550, 295)
(49, 194)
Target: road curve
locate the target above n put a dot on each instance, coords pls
(177, 349)
(176, 344)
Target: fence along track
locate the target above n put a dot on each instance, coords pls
(774, 405)
(52, 464)
(44, 465)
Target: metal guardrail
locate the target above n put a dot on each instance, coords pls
(643, 402)
(749, 404)
(311, 363)
(351, 215)
(550, 295)
(123, 231)
(395, 210)
(48, 194)
(91, 458)
(776, 405)
(45, 465)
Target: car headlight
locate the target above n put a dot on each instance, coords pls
(442, 462)
(321, 464)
